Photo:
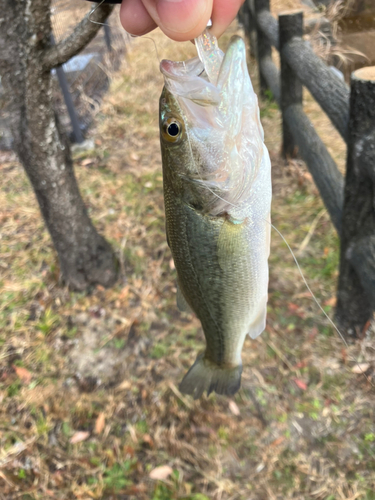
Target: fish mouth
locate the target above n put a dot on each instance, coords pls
(187, 80)
(203, 79)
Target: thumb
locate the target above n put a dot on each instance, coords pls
(180, 20)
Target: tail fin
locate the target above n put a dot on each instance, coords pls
(206, 376)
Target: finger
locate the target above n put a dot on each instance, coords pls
(180, 20)
(134, 17)
(223, 13)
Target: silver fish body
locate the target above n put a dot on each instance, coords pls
(217, 193)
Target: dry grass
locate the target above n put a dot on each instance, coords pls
(88, 383)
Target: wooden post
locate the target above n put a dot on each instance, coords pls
(251, 29)
(356, 288)
(264, 48)
(77, 132)
(107, 35)
(290, 25)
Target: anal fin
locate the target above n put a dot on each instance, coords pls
(259, 323)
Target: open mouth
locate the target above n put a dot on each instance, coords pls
(211, 78)
(196, 79)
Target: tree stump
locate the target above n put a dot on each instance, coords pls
(356, 288)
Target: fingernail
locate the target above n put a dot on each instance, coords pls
(182, 16)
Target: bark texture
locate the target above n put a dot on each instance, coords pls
(356, 290)
(85, 256)
(264, 49)
(81, 36)
(290, 25)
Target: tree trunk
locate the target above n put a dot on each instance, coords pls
(85, 257)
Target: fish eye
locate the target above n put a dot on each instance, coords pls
(172, 130)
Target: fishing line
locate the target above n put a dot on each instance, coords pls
(316, 300)
(94, 10)
(133, 36)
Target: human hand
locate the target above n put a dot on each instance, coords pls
(180, 20)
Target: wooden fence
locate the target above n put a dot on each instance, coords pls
(351, 201)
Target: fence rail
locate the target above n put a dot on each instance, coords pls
(327, 88)
(352, 111)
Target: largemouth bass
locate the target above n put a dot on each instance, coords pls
(217, 194)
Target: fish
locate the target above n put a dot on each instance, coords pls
(217, 198)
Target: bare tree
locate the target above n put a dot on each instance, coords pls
(26, 60)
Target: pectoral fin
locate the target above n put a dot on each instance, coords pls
(229, 243)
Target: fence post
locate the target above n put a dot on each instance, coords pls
(250, 27)
(290, 25)
(240, 15)
(264, 48)
(107, 35)
(77, 133)
(356, 288)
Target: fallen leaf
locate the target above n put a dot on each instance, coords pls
(23, 374)
(278, 441)
(296, 310)
(331, 302)
(171, 264)
(366, 327)
(100, 423)
(148, 439)
(124, 386)
(87, 161)
(300, 383)
(124, 292)
(313, 333)
(137, 488)
(300, 364)
(234, 408)
(128, 450)
(79, 436)
(344, 355)
(360, 367)
(292, 307)
(162, 472)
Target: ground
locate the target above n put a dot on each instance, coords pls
(90, 406)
